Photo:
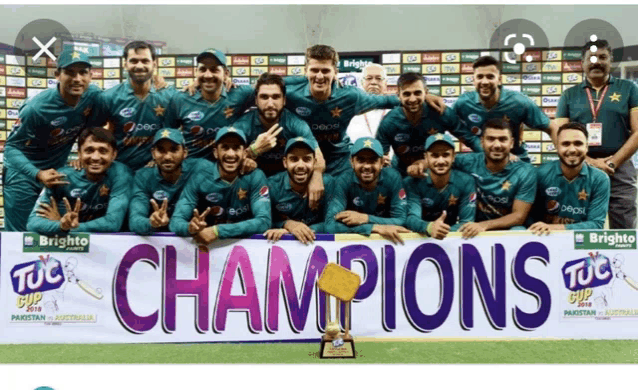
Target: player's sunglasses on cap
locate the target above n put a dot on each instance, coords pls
(214, 53)
(173, 135)
(230, 131)
(445, 138)
(70, 57)
(367, 143)
(300, 141)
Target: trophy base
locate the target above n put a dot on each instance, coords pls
(329, 351)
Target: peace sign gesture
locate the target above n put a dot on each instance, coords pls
(159, 217)
(71, 219)
(198, 222)
(267, 140)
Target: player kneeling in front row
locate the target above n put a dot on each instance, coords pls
(571, 194)
(95, 198)
(291, 210)
(232, 205)
(506, 189)
(445, 199)
(369, 198)
(157, 189)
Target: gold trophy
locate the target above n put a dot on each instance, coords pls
(342, 284)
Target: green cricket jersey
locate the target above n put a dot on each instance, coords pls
(497, 191)
(104, 203)
(621, 98)
(329, 120)
(271, 162)
(46, 129)
(136, 121)
(426, 203)
(578, 204)
(407, 140)
(149, 184)
(238, 209)
(288, 204)
(385, 205)
(514, 106)
(200, 119)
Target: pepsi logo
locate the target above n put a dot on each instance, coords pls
(217, 211)
(128, 127)
(57, 132)
(196, 130)
(263, 192)
(402, 194)
(553, 206)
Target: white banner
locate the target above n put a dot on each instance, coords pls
(127, 289)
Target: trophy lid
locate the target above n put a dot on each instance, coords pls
(339, 282)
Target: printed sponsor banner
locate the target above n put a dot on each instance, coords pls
(15, 71)
(165, 61)
(392, 69)
(450, 91)
(531, 135)
(3, 113)
(115, 62)
(550, 112)
(411, 68)
(110, 83)
(552, 55)
(277, 60)
(411, 58)
(451, 57)
(531, 78)
(466, 67)
(52, 83)
(435, 90)
(167, 72)
(511, 68)
(545, 158)
(180, 83)
(243, 71)
(534, 159)
(431, 68)
(470, 56)
(391, 58)
(36, 82)
(552, 66)
(96, 62)
(241, 60)
(15, 103)
(353, 64)
(258, 70)
(536, 100)
(551, 78)
(392, 80)
(42, 61)
(467, 88)
(536, 55)
(432, 80)
(19, 93)
(296, 70)
(36, 72)
(1, 59)
(533, 147)
(450, 79)
(184, 72)
(111, 73)
(184, 61)
(531, 67)
(15, 60)
(2, 70)
(259, 60)
(572, 66)
(430, 58)
(550, 101)
(296, 60)
(12, 114)
(549, 147)
(392, 89)
(467, 79)
(574, 78)
(552, 89)
(51, 73)
(3, 126)
(98, 83)
(545, 136)
(129, 289)
(516, 88)
(279, 70)
(229, 60)
(572, 55)
(3, 101)
(511, 78)
(531, 89)
(450, 68)
(16, 81)
(241, 80)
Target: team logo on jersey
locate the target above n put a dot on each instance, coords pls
(336, 113)
(506, 186)
(303, 111)
(283, 207)
(128, 127)
(427, 202)
(241, 194)
(57, 132)
(615, 97)
(381, 199)
(195, 115)
(216, 211)
(357, 201)
(452, 200)
(127, 112)
(77, 192)
(104, 190)
(402, 194)
(582, 195)
(159, 110)
(553, 206)
(473, 197)
(58, 121)
(553, 191)
(214, 197)
(263, 192)
(160, 195)
(475, 118)
(476, 130)
(402, 137)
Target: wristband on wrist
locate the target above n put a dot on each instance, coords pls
(216, 231)
(428, 230)
(254, 150)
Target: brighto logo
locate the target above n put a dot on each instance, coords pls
(612, 238)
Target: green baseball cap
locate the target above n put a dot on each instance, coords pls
(445, 138)
(228, 131)
(70, 57)
(173, 135)
(300, 140)
(367, 143)
(221, 57)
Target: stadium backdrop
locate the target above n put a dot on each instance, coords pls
(448, 74)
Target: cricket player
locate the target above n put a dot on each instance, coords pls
(328, 108)
(369, 198)
(135, 109)
(95, 198)
(156, 189)
(490, 100)
(506, 189)
(445, 199)
(571, 194)
(219, 202)
(291, 210)
(269, 127)
(210, 107)
(406, 127)
(42, 137)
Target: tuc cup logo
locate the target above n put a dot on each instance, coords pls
(605, 239)
(588, 272)
(36, 276)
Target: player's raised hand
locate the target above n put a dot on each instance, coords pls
(71, 219)
(267, 140)
(191, 88)
(206, 236)
(301, 231)
(76, 164)
(51, 178)
(471, 229)
(159, 82)
(390, 232)
(352, 218)
(159, 217)
(417, 169)
(248, 165)
(387, 160)
(198, 222)
(438, 228)
(49, 211)
(273, 235)
(435, 102)
(540, 228)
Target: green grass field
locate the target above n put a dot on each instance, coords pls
(551, 351)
